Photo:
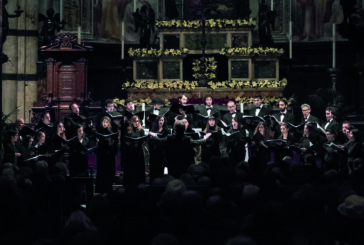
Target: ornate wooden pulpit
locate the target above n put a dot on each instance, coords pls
(66, 80)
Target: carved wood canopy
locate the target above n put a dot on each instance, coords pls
(66, 71)
(66, 41)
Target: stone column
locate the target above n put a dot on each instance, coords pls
(20, 72)
(361, 87)
(1, 81)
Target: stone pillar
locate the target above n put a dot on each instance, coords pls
(20, 72)
(1, 81)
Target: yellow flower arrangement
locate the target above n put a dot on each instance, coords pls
(209, 71)
(236, 84)
(156, 84)
(267, 99)
(190, 85)
(117, 102)
(210, 23)
(147, 101)
(248, 51)
(157, 52)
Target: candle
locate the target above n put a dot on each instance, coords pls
(271, 4)
(122, 39)
(333, 45)
(290, 39)
(182, 7)
(157, 14)
(134, 1)
(60, 11)
(79, 35)
(143, 109)
(242, 107)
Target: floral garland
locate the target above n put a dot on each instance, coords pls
(210, 23)
(190, 85)
(118, 103)
(157, 84)
(248, 51)
(156, 52)
(267, 100)
(249, 84)
(251, 51)
(273, 100)
(209, 71)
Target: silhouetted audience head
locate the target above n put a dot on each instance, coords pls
(288, 160)
(221, 171)
(353, 207)
(87, 238)
(187, 179)
(216, 206)
(241, 240)
(118, 201)
(241, 171)
(204, 181)
(8, 177)
(165, 239)
(190, 204)
(162, 181)
(198, 170)
(250, 192)
(169, 198)
(77, 223)
(59, 168)
(41, 167)
(99, 210)
(330, 176)
(175, 188)
(7, 170)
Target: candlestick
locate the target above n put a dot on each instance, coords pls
(334, 45)
(290, 39)
(79, 35)
(122, 40)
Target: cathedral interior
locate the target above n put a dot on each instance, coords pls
(63, 59)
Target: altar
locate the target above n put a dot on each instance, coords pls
(249, 71)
